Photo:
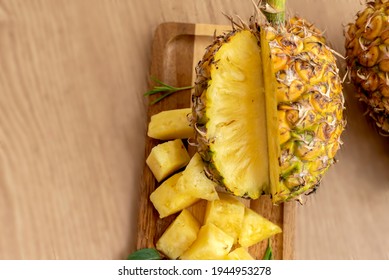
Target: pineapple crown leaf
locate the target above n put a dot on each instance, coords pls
(242, 25)
(163, 88)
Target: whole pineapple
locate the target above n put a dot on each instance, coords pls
(367, 51)
(268, 108)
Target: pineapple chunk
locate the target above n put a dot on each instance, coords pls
(227, 213)
(170, 124)
(194, 181)
(166, 158)
(256, 228)
(168, 200)
(181, 233)
(211, 244)
(240, 253)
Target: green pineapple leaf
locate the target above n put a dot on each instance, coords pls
(269, 252)
(145, 254)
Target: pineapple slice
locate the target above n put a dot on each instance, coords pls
(256, 228)
(170, 124)
(273, 128)
(168, 200)
(166, 158)
(211, 244)
(181, 233)
(227, 213)
(194, 181)
(240, 253)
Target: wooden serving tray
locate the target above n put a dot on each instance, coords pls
(177, 48)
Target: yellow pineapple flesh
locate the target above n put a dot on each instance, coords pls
(170, 124)
(239, 253)
(167, 199)
(227, 213)
(180, 234)
(212, 243)
(166, 158)
(256, 228)
(195, 182)
(234, 122)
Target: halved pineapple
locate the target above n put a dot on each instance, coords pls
(194, 182)
(212, 243)
(170, 124)
(168, 200)
(256, 228)
(166, 158)
(227, 213)
(178, 237)
(240, 253)
(267, 97)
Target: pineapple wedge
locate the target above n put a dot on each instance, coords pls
(227, 213)
(212, 243)
(166, 158)
(230, 115)
(170, 124)
(194, 181)
(240, 253)
(256, 228)
(181, 233)
(168, 200)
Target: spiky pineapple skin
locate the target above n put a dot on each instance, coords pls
(367, 57)
(310, 105)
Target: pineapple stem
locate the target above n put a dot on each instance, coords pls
(275, 11)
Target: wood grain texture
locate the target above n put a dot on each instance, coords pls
(69, 121)
(73, 123)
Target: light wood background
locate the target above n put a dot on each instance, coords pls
(72, 127)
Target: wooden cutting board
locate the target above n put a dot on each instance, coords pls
(177, 48)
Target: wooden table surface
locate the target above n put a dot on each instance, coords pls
(72, 130)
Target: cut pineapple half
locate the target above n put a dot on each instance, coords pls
(266, 98)
(235, 99)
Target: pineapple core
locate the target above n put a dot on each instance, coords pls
(235, 99)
